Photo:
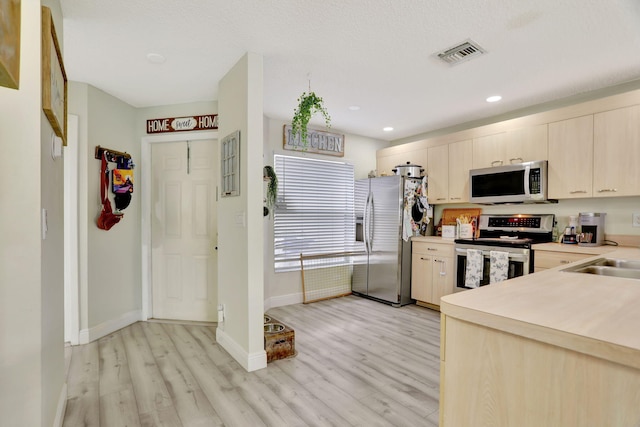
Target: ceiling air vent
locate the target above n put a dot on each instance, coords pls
(460, 53)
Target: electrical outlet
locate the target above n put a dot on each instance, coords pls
(636, 219)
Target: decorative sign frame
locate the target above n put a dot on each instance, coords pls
(10, 42)
(54, 78)
(230, 165)
(181, 124)
(320, 142)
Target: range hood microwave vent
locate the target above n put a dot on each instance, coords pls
(461, 52)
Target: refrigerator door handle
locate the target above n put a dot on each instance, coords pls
(367, 222)
(372, 213)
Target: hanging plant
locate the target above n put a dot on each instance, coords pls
(308, 105)
(272, 188)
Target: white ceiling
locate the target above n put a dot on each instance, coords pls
(376, 54)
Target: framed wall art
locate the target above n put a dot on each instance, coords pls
(10, 43)
(230, 164)
(54, 79)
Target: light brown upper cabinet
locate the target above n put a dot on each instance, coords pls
(616, 148)
(510, 147)
(460, 161)
(571, 158)
(448, 171)
(385, 163)
(438, 174)
(489, 151)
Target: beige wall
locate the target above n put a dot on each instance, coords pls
(31, 275)
(240, 226)
(109, 264)
(113, 256)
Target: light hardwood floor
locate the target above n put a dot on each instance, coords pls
(359, 363)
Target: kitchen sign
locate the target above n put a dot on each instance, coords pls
(179, 124)
(319, 142)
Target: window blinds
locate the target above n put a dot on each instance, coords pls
(314, 211)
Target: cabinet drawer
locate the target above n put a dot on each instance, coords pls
(424, 248)
(547, 259)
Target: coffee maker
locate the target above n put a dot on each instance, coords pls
(591, 229)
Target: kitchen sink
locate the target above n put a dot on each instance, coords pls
(612, 267)
(619, 263)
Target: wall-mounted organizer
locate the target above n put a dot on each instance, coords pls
(121, 185)
(112, 155)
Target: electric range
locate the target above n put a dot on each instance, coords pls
(513, 234)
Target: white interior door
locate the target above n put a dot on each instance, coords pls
(183, 230)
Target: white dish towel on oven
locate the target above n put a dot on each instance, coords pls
(498, 266)
(475, 264)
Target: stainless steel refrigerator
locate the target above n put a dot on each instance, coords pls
(383, 271)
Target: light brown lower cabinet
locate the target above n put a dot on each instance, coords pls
(548, 259)
(431, 272)
(490, 378)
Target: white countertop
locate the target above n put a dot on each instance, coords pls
(591, 314)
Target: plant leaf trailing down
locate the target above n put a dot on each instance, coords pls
(309, 104)
(272, 188)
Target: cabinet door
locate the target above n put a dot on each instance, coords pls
(421, 273)
(571, 158)
(385, 163)
(550, 259)
(442, 276)
(438, 174)
(460, 161)
(526, 144)
(616, 146)
(489, 151)
(420, 158)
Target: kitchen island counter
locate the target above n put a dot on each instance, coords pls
(574, 310)
(552, 335)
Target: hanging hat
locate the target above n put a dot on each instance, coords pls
(416, 212)
(122, 200)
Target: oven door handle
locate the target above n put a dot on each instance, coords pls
(515, 257)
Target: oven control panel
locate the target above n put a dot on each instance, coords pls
(533, 223)
(514, 222)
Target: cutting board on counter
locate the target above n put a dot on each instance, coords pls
(449, 216)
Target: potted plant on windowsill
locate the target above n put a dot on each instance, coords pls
(308, 105)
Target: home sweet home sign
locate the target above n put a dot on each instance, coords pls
(178, 124)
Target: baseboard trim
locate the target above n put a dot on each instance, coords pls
(282, 300)
(249, 361)
(62, 407)
(110, 326)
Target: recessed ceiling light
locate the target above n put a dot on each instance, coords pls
(387, 129)
(155, 58)
(354, 107)
(494, 98)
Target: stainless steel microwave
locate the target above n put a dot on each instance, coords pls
(516, 183)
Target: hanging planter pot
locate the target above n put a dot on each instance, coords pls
(308, 105)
